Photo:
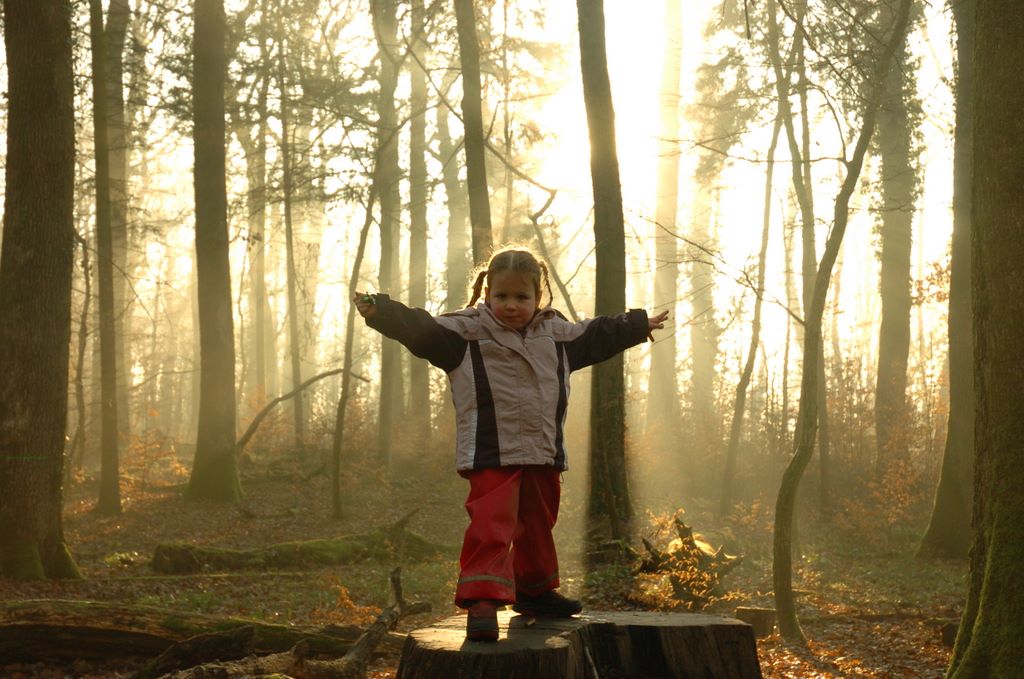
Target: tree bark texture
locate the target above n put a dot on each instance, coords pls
(214, 471)
(609, 502)
(35, 288)
(472, 118)
(620, 644)
(988, 644)
(949, 528)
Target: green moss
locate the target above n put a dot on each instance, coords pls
(20, 560)
(62, 566)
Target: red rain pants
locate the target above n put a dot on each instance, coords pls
(508, 545)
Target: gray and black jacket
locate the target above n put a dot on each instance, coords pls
(510, 387)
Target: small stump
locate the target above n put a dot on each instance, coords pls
(618, 644)
(761, 619)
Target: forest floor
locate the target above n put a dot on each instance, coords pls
(867, 606)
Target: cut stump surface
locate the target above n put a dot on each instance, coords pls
(613, 644)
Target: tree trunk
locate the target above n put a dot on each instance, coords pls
(76, 449)
(458, 259)
(609, 507)
(338, 440)
(736, 427)
(472, 118)
(807, 416)
(36, 263)
(899, 183)
(949, 528)
(118, 16)
(388, 176)
(704, 330)
(419, 379)
(109, 501)
(663, 397)
(255, 146)
(988, 644)
(295, 349)
(214, 471)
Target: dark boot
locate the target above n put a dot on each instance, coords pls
(550, 604)
(482, 620)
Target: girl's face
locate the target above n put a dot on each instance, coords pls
(512, 298)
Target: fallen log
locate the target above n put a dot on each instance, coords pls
(296, 661)
(391, 543)
(613, 644)
(94, 630)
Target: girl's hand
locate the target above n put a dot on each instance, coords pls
(365, 304)
(655, 323)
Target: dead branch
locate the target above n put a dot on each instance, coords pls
(262, 414)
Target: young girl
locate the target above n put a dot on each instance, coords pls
(508, 361)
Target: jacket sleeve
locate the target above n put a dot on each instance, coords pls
(605, 336)
(419, 332)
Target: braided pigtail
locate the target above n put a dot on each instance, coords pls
(477, 287)
(547, 281)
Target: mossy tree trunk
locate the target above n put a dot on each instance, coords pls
(989, 643)
(609, 503)
(35, 288)
(214, 470)
(949, 529)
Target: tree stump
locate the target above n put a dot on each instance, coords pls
(613, 644)
(761, 619)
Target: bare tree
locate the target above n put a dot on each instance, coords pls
(388, 174)
(807, 416)
(949, 528)
(472, 116)
(609, 503)
(110, 493)
(214, 469)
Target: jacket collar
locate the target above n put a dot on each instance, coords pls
(540, 316)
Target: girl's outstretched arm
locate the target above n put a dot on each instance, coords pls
(415, 328)
(598, 339)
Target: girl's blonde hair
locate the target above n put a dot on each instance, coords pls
(519, 260)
